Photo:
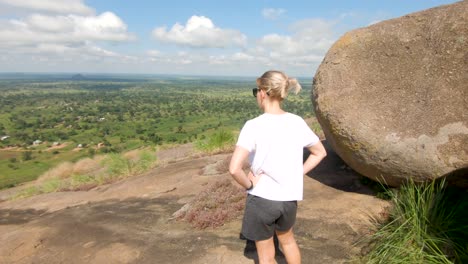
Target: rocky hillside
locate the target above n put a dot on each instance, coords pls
(131, 221)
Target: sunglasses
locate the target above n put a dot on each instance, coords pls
(255, 91)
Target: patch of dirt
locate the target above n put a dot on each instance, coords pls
(168, 155)
(131, 221)
(59, 146)
(9, 148)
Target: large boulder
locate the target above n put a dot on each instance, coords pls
(392, 98)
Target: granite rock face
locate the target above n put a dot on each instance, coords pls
(392, 98)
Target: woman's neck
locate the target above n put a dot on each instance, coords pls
(272, 107)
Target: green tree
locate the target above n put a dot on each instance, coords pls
(91, 152)
(27, 155)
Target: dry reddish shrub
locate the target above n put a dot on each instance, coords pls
(218, 204)
(223, 166)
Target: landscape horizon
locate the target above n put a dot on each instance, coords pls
(111, 75)
(49, 119)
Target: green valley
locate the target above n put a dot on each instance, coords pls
(46, 120)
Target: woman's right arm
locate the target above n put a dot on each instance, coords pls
(235, 167)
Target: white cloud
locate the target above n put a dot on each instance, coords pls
(50, 41)
(51, 24)
(153, 53)
(52, 6)
(300, 51)
(106, 26)
(52, 49)
(273, 13)
(37, 29)
(308, 42)
(200, 32)
(60, 52)
(70, 40)
(241, 56)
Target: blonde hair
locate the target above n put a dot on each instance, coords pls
(277, 84)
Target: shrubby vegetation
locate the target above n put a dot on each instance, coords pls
(426, 224)
(88, 173)
(218, 204)
(220, 141)
(114, 115)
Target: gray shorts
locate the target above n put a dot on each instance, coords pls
(262, 217)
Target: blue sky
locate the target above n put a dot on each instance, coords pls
(232, 38)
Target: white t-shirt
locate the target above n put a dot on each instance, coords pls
(276, 143)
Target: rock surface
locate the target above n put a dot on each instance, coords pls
(392, 98)
(131, 221)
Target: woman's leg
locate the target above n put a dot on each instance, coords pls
(266, 251)
(289, 246)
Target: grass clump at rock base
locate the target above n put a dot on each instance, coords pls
(88, 173)
(220, 141)
(427, 223)
(381, 191)
(221, 202)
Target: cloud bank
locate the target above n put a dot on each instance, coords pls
(60, 31)
(304, 46)
(66, 29)
(52, 6)
(200, 32)
(68, 35)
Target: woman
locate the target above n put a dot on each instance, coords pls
(274, 143)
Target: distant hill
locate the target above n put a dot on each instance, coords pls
(78, 77)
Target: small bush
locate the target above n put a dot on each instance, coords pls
(12, 166)
(51, 185)
(427, 224)
(82, 183)
(88, 173)
(220, 141)
(381, 191)
(117, 165)
(218, 204)
(146, 161)
(27, 155)
(27, 192)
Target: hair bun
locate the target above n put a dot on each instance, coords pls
(293, 83)
(277, 84)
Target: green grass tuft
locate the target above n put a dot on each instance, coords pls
(88, 173)
(51, 185)
(427, 224)
(118, 165)
(146, 161)
(27, 192)
(220, 141)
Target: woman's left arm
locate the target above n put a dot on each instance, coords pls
(317, 154)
